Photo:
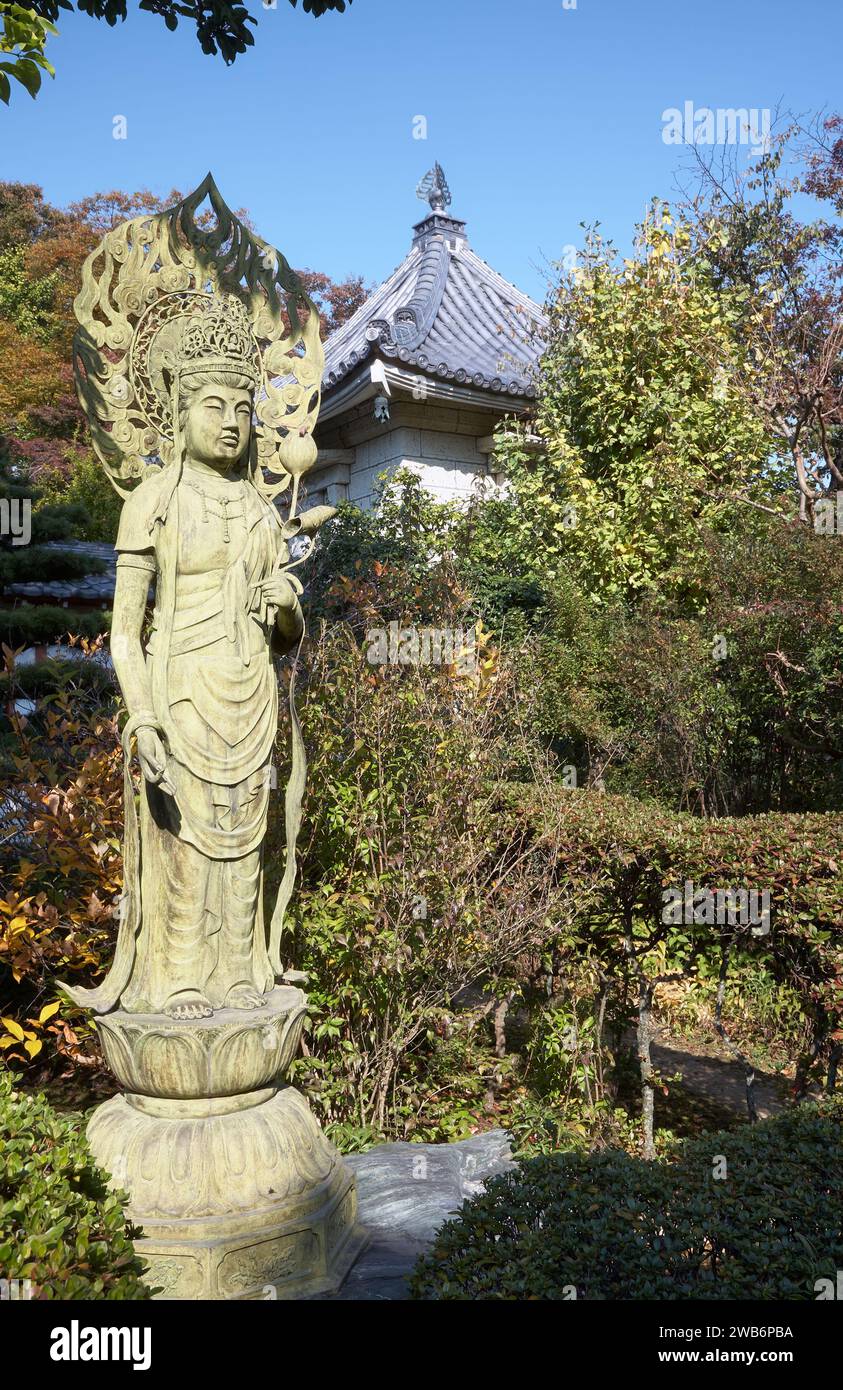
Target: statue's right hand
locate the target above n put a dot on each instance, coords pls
(153, 759)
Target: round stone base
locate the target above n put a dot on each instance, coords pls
(238, 1197)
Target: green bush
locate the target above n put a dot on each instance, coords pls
(60, 1227)
(44, 677)
(82, 489)
(734, 711)
(60, 520)
(37, 565)
(30, 624)
(754, 1214)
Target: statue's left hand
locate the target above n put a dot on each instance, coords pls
(279, 590)
(152, 756)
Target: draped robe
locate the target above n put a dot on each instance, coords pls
(198, 886)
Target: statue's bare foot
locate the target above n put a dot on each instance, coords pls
(245, 997)
(191, 1004)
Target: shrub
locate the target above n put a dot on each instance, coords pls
(80, 483)
(406, 896)
(58, 521)
(60, 1226)
(44, 677)
(730, 712)
(753, 1214)
(38, 565)
(411, 553)
(59, 898)
(32, 624)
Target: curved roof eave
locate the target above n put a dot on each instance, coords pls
(358, 386)
(447, 314)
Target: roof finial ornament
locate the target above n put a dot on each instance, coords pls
(434, 187)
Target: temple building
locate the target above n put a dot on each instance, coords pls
(424, 370)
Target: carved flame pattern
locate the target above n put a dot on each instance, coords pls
(143, 281)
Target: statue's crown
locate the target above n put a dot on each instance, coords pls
(218, 338)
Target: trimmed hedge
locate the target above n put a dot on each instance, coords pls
(638, 848)
(617, 856)
(34, 564)
(31, 624)
(44, 677)
(60, 1226)
(754, 1214)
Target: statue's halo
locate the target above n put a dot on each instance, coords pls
(150, 274)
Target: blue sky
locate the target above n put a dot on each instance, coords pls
(543, 117)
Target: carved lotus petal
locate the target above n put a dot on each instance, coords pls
(164, 1060)
(236, 1050)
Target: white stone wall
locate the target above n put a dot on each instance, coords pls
(446, 462)
(445, 443)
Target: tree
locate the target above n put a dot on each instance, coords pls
(24, 215)
(747, 232)
(23, 39)
(221, 27)
(645, 433)
(336, 301)
(41, 253)
(35, 379)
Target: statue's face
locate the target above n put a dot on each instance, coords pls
(219, 419)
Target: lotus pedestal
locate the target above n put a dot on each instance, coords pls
(239, 1193)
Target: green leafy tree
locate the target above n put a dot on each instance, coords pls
(25, 301)
(645, 426)
(221, 28)
(22, 40)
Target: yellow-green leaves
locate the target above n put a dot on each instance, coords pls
(23, 37)
(646, 416)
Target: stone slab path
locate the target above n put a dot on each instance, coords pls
(406, 1192)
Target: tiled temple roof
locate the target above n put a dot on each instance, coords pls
(446, 313)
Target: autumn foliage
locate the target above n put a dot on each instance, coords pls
(42, 250)
(61, 871)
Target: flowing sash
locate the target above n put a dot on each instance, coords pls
(103, 998)
(293, 796)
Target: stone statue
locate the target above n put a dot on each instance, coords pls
(198, 364)
(204, 703)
